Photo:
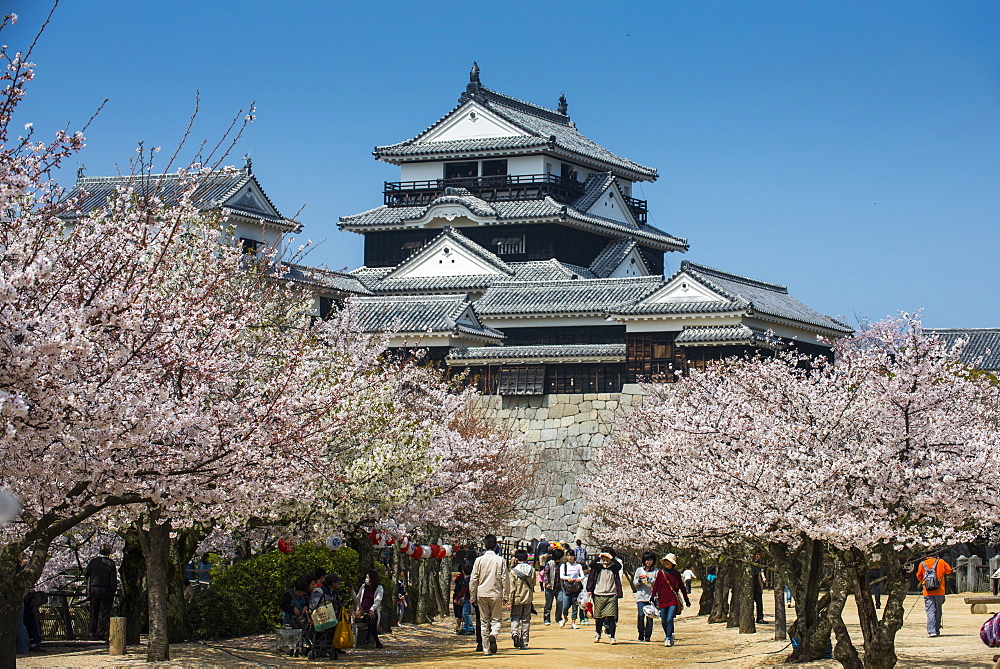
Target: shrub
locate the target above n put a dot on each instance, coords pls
(218, 614)
(252, 589)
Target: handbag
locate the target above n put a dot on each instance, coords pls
(680, 604)
(343, 636)
(572, 588)
(324, 617)
(650, 611)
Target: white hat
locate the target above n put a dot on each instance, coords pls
(541, 536)
(669, 557)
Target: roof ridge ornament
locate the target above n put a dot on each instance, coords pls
(562, 108)
(247, 164)
(474, 88)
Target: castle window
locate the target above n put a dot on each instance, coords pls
(250, 246)
(521, 380)
(495, 168)
(508, 245)
(469, 170)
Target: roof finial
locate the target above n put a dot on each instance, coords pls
(247, 164)
(79, 171)
(562, 105)
(473, 89)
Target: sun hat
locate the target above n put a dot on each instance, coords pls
(669, 557)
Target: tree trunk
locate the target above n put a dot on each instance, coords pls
(132, 580)
(720, 590)
(13, 588)
(425, 605)
(880, 635)
(844, 652)
(747, 615)
(735, 599)
(780, 625)
(802, 569)
(156, 549)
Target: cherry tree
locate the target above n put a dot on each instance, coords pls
(884, 452)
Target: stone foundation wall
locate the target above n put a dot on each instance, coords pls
(561, 434)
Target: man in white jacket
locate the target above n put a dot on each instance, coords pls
(489, 588)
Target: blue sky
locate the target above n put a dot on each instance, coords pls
(848, 150)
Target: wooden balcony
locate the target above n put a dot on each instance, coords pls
(638, 209)
(492, 189)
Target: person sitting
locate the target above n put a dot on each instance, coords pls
(295, 604)
(327, 592)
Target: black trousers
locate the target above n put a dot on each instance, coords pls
(101, 600)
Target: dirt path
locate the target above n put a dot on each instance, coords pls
(698, 644)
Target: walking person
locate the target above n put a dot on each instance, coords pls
(489, 588)
(522, 587)
(581, 553)
(401, 602)
(550, 579)
(102, 582)
(542, 551)
(605, 585)
(874, 574)
(571, 578)
(931, 573)
(688, 578)
(668, 589)
(645, 576)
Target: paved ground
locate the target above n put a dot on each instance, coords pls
(698, 644)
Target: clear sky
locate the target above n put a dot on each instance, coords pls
(849, 150)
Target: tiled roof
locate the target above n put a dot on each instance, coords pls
(581, 296)
(611, 256)
(455, 238)
(720, 334)
(418, 314)
(549, 270)
(413, 148)
(740, 293)
(982, 345)
(552, 353)
(211, 192)
(514, 211)
(545, 127)
(593, 189)
(339, 282)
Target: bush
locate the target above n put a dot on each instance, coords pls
(252, 589)
(220, 614)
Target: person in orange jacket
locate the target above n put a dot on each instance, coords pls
(931, 573)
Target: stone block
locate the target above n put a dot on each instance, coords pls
(589, 397)
(567, 421)
(574, 399)
(598, 404)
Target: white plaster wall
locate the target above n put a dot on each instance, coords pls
(421, 171)
(561, 434)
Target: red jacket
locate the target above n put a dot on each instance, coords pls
(667, 586)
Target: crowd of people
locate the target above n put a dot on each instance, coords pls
(574, 589)
(309, 593)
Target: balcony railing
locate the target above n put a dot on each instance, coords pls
(638, 209)
(493, 188)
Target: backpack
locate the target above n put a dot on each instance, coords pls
(931, 580)
(990, 631)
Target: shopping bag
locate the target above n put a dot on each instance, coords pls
(343, 637)
(324, 617)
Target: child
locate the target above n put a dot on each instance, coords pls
(522, 587)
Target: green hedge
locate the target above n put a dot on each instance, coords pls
(243, 598)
